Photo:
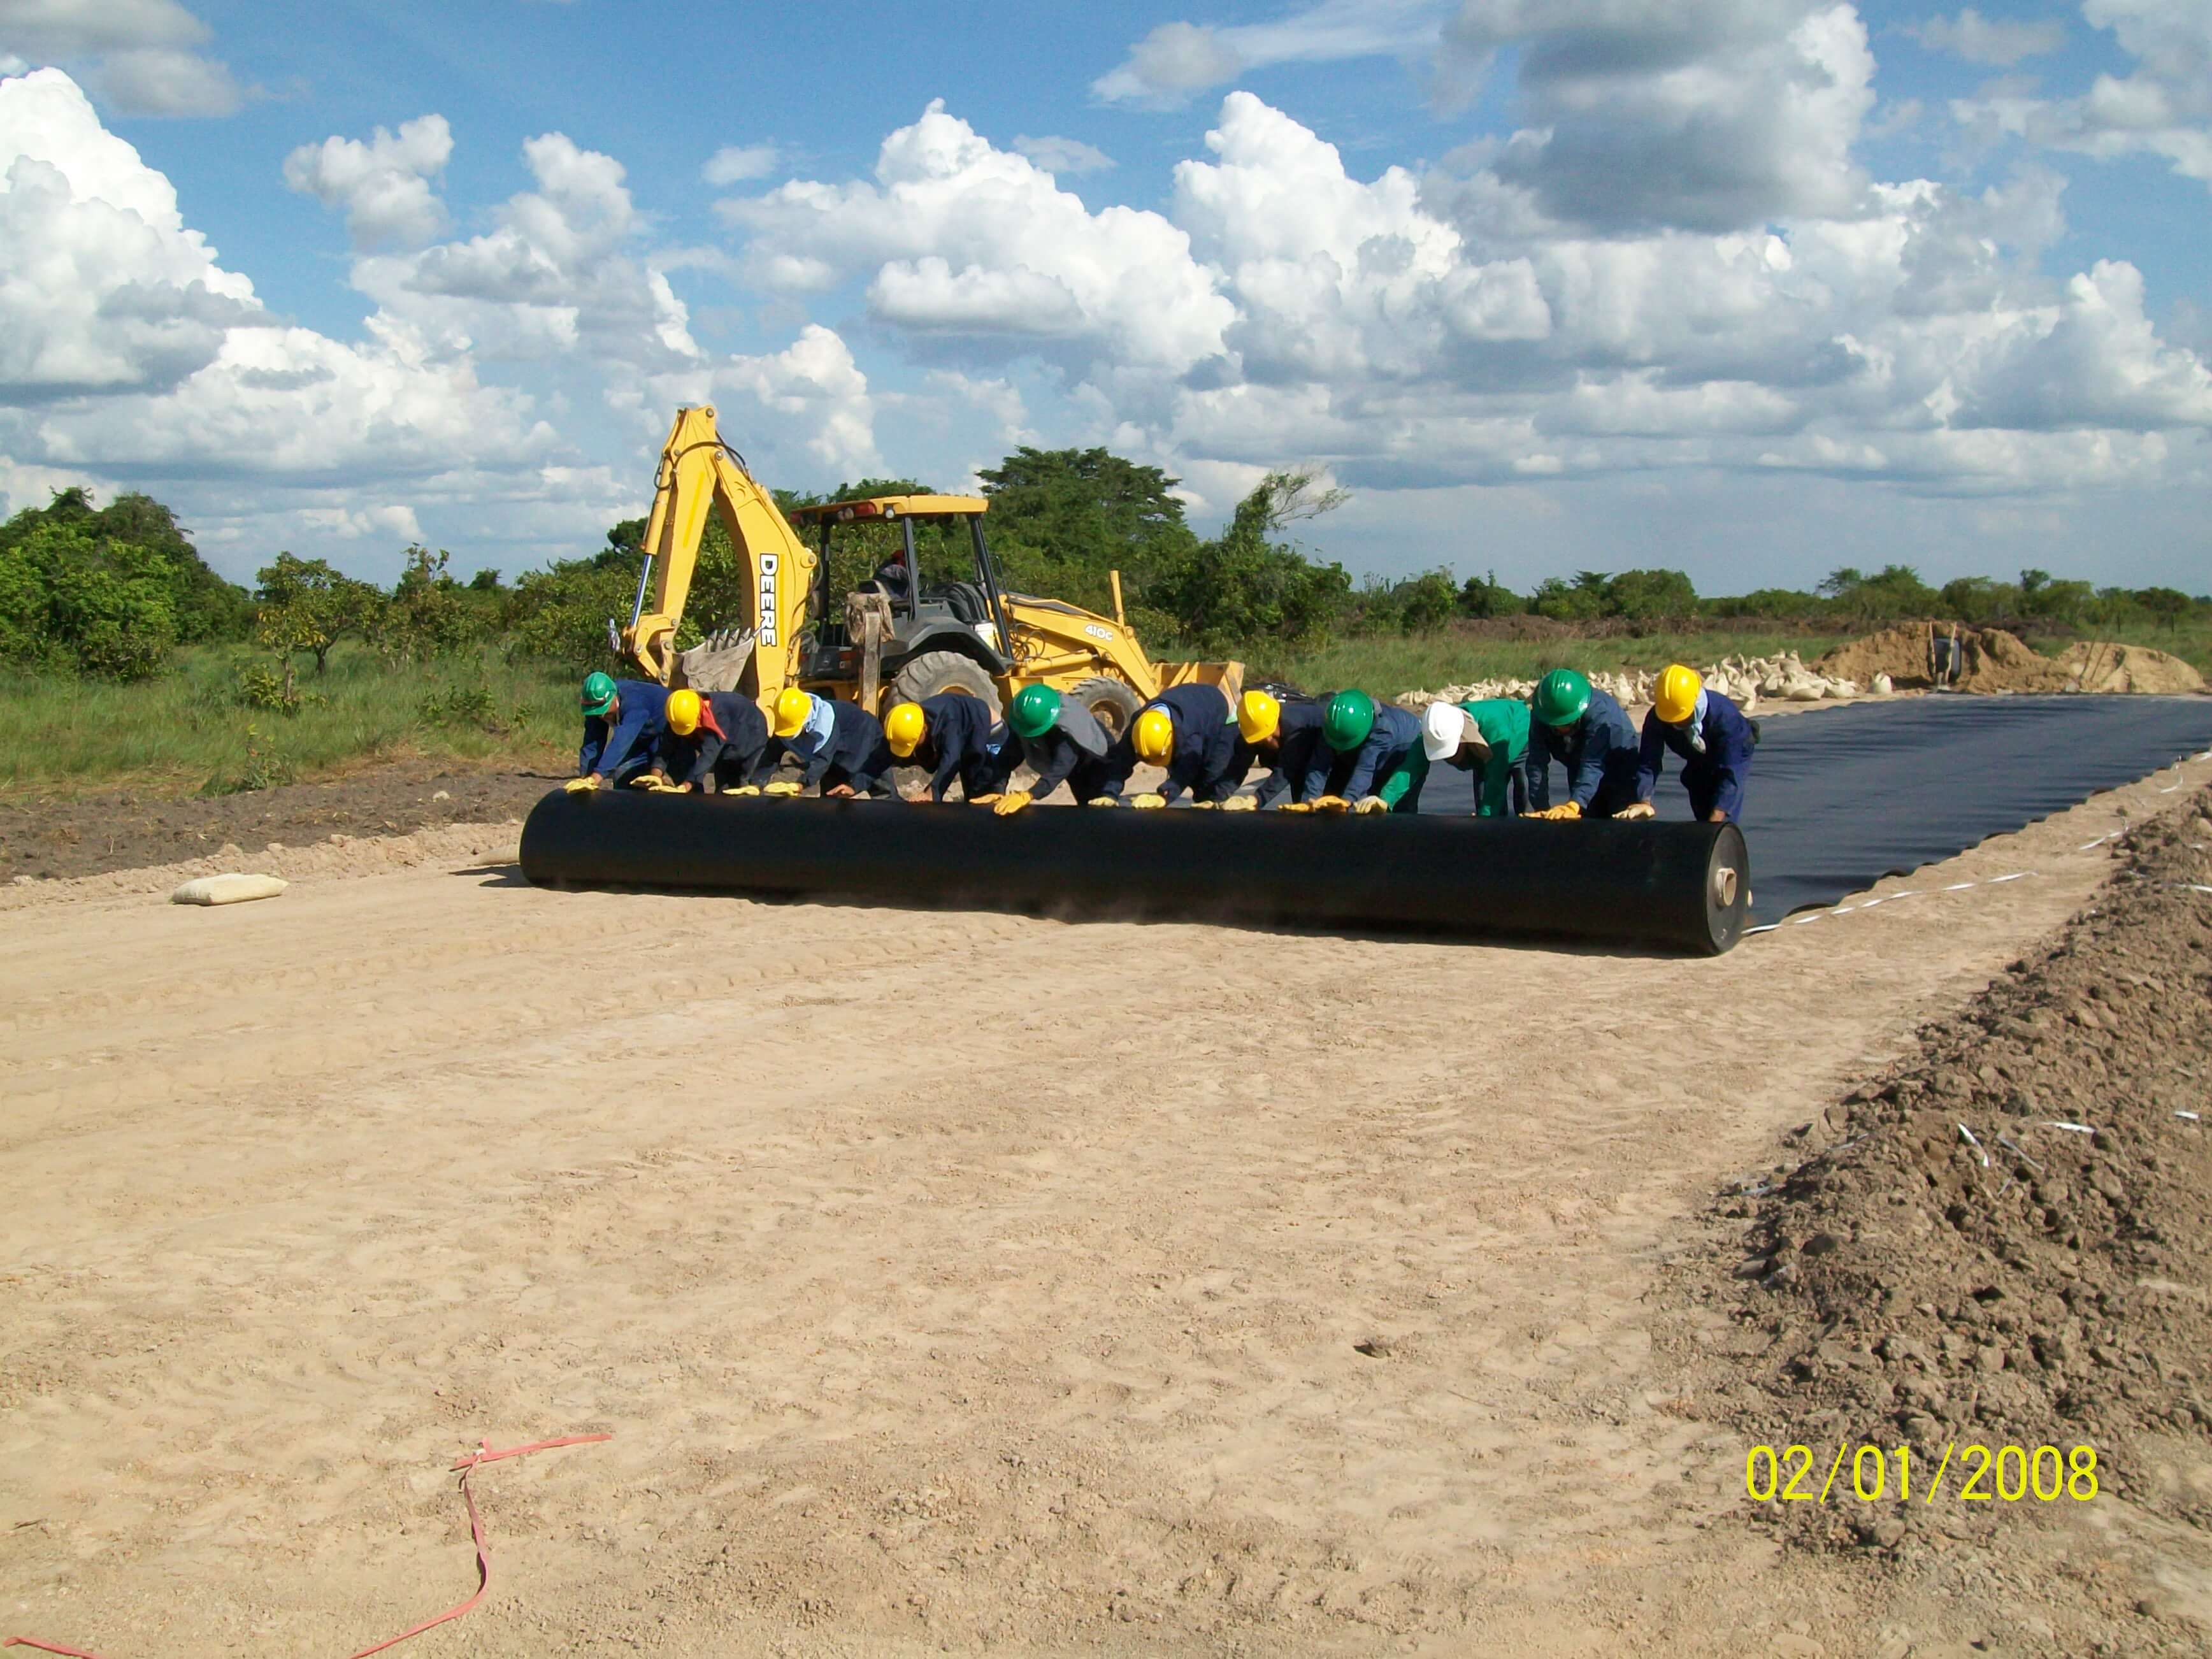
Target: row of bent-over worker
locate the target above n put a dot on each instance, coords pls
(1348, 752)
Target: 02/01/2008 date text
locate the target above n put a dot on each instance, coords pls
(1970, 1473)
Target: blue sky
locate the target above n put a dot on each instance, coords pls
(1753, 288)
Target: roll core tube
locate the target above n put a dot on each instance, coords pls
(1665, 886)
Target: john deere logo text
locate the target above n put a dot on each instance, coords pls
(770, 561)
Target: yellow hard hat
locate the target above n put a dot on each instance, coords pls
(902, 728)
(684, 712)
(793, 706)
(1676, 699)
(1154, 736)
(1259, 716)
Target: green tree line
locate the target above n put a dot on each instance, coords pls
(111, 591)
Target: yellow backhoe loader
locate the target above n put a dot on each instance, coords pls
(902, 634)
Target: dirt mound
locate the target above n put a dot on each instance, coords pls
(2034, 1285)
(93, 834)
(1994, 660)
(2099, 666)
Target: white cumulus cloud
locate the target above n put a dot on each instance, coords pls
(138, 55)
(1176, 60)
(383, 186)
(1979, 39)
(128, 352)
(733, 164)
(956, 237)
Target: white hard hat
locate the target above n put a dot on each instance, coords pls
(1444, 729)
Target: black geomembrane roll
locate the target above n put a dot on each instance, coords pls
(1650, 885)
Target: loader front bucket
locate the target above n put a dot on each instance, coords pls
(1648, 885)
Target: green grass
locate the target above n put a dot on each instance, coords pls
(1390, 666)
(191, 729)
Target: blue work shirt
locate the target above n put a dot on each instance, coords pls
(854, 753)
(1302, 762)
(1715, 779)
(730, 745)
(1391, 762)
(1601, 755)
(1074, 750)
(620, 749)
(1205, 743)
(960, 740)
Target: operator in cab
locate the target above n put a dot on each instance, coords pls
(624, 721)
(1709, 734)
(1489, 737)
(716, 743)
(839, 745)
(958, 738)
(1587, 732)
(1188, 730)
(1383, 743)
(1062, 742)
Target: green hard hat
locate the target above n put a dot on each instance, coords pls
(599, 693)
(1350, 718)
(1561, 696)
(1035, 708)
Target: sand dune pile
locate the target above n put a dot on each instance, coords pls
(1998, 661)
(2099, 666)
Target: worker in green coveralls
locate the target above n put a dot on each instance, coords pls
(1489, 737)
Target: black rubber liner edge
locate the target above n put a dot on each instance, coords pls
(1678, 888)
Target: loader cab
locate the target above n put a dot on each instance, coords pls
(933, 604)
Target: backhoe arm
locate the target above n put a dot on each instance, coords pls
(698, 470)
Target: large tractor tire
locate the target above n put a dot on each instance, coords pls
(1111, 703)
(933, 673)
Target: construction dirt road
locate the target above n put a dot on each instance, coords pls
(953, 1281)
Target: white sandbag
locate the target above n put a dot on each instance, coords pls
(227, 890)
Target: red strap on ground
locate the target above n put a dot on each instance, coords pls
(467, 1466)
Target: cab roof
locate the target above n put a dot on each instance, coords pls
(890, 506)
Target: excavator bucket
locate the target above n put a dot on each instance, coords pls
(1228, 676)
(717, 663)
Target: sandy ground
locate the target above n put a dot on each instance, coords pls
(947, 1281)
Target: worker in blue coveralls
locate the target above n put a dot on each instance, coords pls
(1188, 730)
(1588, 732)
(1062, 742)
(1286, 737)
(623, 723)
(718, 737)
(1383, 744)
(958, 738)
(1709, 732)
(839, 746)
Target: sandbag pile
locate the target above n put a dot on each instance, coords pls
(1781, 679)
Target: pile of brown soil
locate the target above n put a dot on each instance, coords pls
(94, 834)
(2034, 1286)
(1994, 660)
(2100, 666)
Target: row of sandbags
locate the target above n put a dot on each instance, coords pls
(1781, 679)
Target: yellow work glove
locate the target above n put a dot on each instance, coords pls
(744, 789)
(783, 788)
(1371, 803)
(1566, 811)
(1148, 801)
(985, 800)
(1106, 801)
(653, 784)
(1642, 809)
(1011, 803)
(581, 786)
(1240, 803)
(1204, 806)
(1296, 806)
(1331, 804)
